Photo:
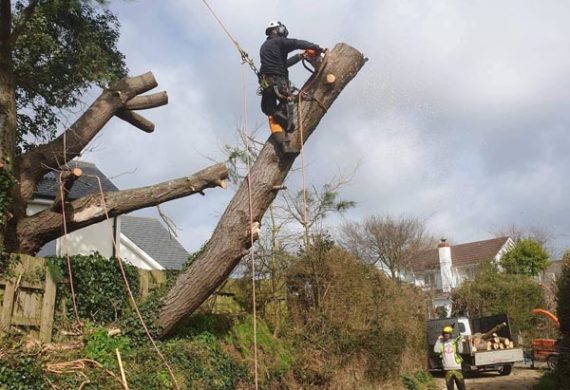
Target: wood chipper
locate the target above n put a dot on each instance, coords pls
(545, 350)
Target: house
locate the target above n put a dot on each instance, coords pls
(447, 266)
(143, 242)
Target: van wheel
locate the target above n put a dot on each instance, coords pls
(506, 369)
(552, 362)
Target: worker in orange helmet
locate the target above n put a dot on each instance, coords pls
(276, 97)
(450, 350)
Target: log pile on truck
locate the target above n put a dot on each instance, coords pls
(490, 340)
(487, 343)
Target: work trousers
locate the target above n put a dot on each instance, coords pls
(456, 376)
(274, 99)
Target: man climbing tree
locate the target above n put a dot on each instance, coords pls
(276, 97)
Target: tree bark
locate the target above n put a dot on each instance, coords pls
(8, 194)
(68, 178)
(34, 231)
(231, 238)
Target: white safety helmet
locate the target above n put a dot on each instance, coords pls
(275, 24)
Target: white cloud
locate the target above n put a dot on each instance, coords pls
(460, 115)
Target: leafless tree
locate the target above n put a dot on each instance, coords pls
(392, 243)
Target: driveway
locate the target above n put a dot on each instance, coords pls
(521, 378)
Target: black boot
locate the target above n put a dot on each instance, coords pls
(284, 143)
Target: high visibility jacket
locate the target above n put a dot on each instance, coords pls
(450, 352)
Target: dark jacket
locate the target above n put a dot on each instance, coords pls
(273, 54)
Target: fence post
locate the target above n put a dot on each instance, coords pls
(7, 305)
(48, 308)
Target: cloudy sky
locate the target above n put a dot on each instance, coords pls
(460, 116)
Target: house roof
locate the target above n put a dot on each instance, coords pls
(463, 254)
(87, 184)
(152, 237)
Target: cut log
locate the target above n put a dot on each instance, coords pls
(494, 330)
(147, 101)
(231, 238)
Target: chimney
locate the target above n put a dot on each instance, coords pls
(445, 265)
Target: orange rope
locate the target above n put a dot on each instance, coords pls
(301, 129)
(66, 248)
(127, 285)
(252, 251)
(305, 207)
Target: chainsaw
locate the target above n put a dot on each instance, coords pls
(312, 59)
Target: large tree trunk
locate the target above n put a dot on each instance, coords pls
(7, 128)
(231, 238)
(47, 225)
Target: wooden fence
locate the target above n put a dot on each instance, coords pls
(28, 302)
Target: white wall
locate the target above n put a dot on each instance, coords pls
(133, 255)
(93, 238)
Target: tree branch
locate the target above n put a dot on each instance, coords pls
(37, 162)
(22, 20)
(5, 24)
(137, 120)
(231, 238)
(147, 101)
(47, 225)
(68, 178)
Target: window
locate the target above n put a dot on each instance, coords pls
(429, 280)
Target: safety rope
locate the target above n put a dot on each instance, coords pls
(127, 285)
(66, 249)
(251, 238)
(303, 92)
(246, 59)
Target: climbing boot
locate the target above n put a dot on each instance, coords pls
(284, 143)
(290, 117)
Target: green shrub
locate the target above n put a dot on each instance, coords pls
(21, 373)
(493, 292)
(99, 287)
(349, 316)
(527, 257)
(421, 380)
(275, 356)
(199, 363)
(101, 347)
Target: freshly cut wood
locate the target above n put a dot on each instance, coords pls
(484, 346)
(494, 330)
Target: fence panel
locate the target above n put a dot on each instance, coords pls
(27, 301)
